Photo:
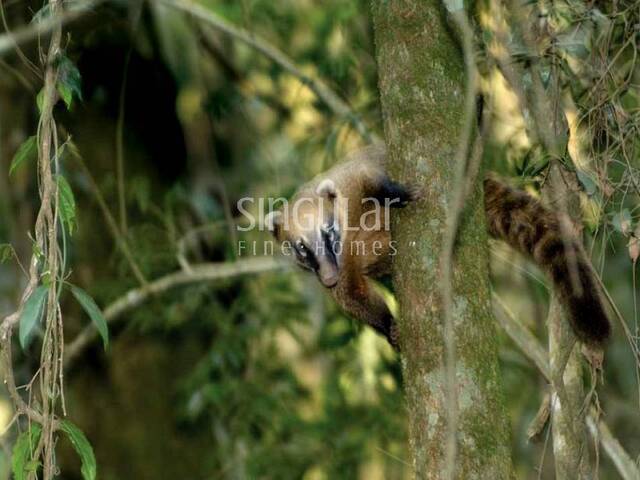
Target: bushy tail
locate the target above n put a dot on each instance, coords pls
(525, 224)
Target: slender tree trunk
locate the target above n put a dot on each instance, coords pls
(570, 446)
(421, 78)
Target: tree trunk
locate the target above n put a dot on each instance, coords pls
(568, 419)
(421, 79)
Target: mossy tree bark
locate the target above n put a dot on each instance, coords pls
(421, 79)
(570, 445)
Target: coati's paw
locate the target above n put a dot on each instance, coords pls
(396, 195)
(594, 355)
(412, 193)
(394, 337)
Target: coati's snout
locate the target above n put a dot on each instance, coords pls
(328, 270)
(310, 232)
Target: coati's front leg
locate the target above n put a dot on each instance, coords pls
(354, 292)
(357, 297)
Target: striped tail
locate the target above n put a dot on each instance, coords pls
(525, 224)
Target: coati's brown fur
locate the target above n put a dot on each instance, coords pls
(338, 203)
(528, 226)
(332, 205)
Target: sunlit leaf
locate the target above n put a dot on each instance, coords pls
(94, 312)
(21, 463)
(622, 221)
(32, 466)
(40, 100)
(67, 203)
(6, 252)
(66, 94)
(587, 182)
(31, 314)
(69, 81)
(83, 448)
(25, 151)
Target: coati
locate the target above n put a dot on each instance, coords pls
(337, 226)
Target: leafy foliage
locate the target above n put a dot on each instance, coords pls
(6, 252)
(69, 81)
(31, 314)
(67, 204)
(25, 152)
(94, 312)
(21, 463)
(83, 449)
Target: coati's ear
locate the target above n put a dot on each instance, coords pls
(327, 188)
(273, 222)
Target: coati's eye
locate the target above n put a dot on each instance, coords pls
(305, 257)
(302, 249)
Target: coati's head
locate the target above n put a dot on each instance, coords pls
(309, 228)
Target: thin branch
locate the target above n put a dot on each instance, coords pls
(460, 190)
(204, 272)
(122, 205)
(20, 406)
(522, 337)
(119, 238)
(120, 159)
(29, 64)
(569, 428)
(46, 240)
(191, 235)
(9, 41)
(47, 237)
(540, 421)
(210, 151)
(628, 334)
(532, 348)
(627, 468)
(316, 85)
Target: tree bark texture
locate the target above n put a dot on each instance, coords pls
(568, 419)
(421, 80)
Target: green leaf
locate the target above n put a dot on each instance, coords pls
(6, 252)
(588, 183)
(25, 151)
(21, 463)
(66, 94)
(67, 203)
(622, 221)
(83, 448)
(31, 314)
(32, 466)
(141, 192)
(43, 14)
(73, 149)
(94, 312)
(40, 100)
(578, 50)
(69, 80)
